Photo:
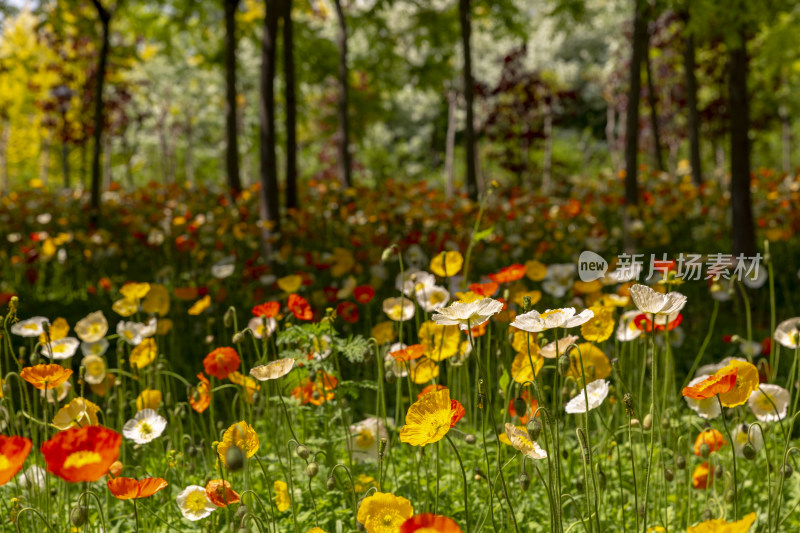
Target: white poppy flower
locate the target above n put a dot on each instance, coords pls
(415, 281)
(534, 322)
(194, 503)
(366, 438)
(398, 369)
(651, 302)
(468, 315)
(548, 351)
(597, 392)
(61, 348)
(788, 333)
(94, 348)
(146, 426)
(769, 402)
(262, 327)
(627, 329)
(33, 476)
(522, 442)
(432, 298)
(134, 332)
(223, 270)
(740, 434)
(57, 394)
(399, 309)
(92, 327)
(708, 408)
(31, 327)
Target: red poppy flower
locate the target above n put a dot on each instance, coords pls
(126, 488)
(300, 308)
(643, 323)
(221, 362)
(484, 289)
(430, 523)
(220, 493)
(82, 454)
(430, 388)
(201, 398)
(13, 452)
(509, 274)
(348, 311)
(267, 309)
(364, 294)
(456, 412)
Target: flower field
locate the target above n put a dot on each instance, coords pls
(399, 363)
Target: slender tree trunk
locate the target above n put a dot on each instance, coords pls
(344, 128)
(547, 162)
(232, 151)
(106, 161)
(269, 206)
(634, 90)
(450, 143)
(291, 106)
(694, 115)
(105, 20)
(744, 238)
(786, 138)
(465, 19)
(651, 99)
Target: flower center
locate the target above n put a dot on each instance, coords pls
(81, 459)
(196, 502)
(145, 429)
(365, 439)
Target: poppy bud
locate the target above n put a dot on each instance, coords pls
(601, 478)
(563, 365)
(302, 452)
(238, 337)
(665, 422)
(647, 423)
(786, 470)
(115, 469)
(749, 452)
(704, 450)
(78, 516)
(330, 484)
(227, 320)
(718, 471)
(680, 462)
(234, 458)
(34, 358)
(729, 496)
(524, 481)
(706, 515)
(534, 429)
(481, 387)
(526, 304)
(387, 253)
(669, 475)
(520, 406)
(470, 439)
(389, 377)
(240, 512)
(382, 446)
(312, 469)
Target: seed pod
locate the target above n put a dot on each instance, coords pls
(680, 462)
(312, 469)
(787, 470)
(234, 458)
(524, 481)
(389, 377)
(470, 439)
(534, 429)
(749, 452)
(330, 483)
(669, 475)
(238, 338)
(526, 304)
(627, 399)
(563, 365)
(647, 423)
(382, 446)
(78, 516)
(520, 406)
(302, 452)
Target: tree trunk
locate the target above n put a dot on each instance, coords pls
(344, 128)
(465, 19)
(232, 151)
(632, 119)
(105, 20)
(651, 99)
(106, 161)
(291, 106)
(450, 144)
(786, 138)
(694, 115)
(269, 205)
(744, 239)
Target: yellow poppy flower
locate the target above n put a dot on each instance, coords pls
(521, 369)
(595, 363)
(200, 305)
(58, 330)
(282, 501)
(719, 525)
(382, 512)
(521, 340)
(343, 262)
(600, 327)
(447, 264)
(144, 354)
(148, 399)
(135, 291)
(157, 300)
(423, 370)
(243, 436)
(746, 382)
(383, 332)
(290, 284)
(518, 297)
(468, 297)
(428, 419)
(587, 287)
(440, 342)
(77, 413)
(125, 307)
(535, 271)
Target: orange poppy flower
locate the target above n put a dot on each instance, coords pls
(318, 391)
(364, 294)
(524, 417)
(702, 476)
(712, 437)
(221, 362)
(13, 452)
(45, 376)
(409, 353)
(220, 493)
(429, 523)
(484, 289)
(456, 412)
(267, 309)
(430, 388)
(711, 386)
(479, 330)
(126, 488)
(82, 454)
(509, 274)
(300, 308)
(201, 399)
